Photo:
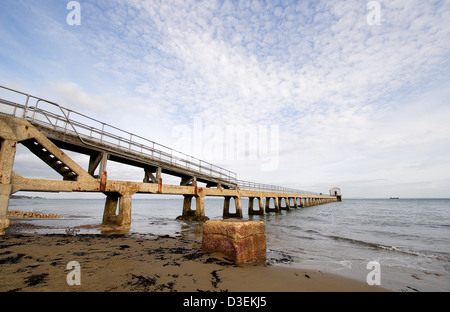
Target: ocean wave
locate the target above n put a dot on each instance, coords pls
(415, 253)
(392, 248)
(354, 241)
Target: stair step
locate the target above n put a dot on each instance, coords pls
(50, 160)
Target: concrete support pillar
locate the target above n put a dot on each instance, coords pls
(5, 193)
(252, 211)
(261, 205)
(100, 160)
(250, 205)
(7, 155)
(149, 177)
(295, 202)
(187, 212)
(196, 215)
(123, 217)
(109, 213)
(226, 207)
(276, 203)
(199, 207)
(286, 202)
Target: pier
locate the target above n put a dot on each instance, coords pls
(46, 129)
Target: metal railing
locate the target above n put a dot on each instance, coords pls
(260, 187)
(96, 133)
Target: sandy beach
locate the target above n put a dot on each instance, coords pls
(138, 263)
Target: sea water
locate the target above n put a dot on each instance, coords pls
(408, 238)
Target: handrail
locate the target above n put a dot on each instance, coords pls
(134, 149)
(122, 145)
(252, 186)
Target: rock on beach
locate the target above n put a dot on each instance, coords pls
(29, 214)
(240, 240)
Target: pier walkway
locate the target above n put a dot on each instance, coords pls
(46, 129)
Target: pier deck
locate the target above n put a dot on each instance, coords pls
(46, 129)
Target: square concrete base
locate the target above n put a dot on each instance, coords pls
(240, 240)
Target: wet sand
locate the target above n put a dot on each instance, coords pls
(137, 263)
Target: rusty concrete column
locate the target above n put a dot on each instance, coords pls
(200, 207)
(7, 155)
(261, 205)
(267, 206)
(237, 202)
(250, 205)
(124, 215)
(251, 211)
(194, 215)
(109, 213)
(187, 211)
(226, 206)
(295, 199)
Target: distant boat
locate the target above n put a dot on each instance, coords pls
(394, 198)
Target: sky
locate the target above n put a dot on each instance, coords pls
(353, 94)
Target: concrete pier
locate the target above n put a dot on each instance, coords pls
(45, 134)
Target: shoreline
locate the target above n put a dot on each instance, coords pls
(147, 263)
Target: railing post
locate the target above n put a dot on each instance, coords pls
(131, 140)
(26, 107)
(101, 134)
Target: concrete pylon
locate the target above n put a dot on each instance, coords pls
(194, 215)
(276, 203)
(286, 202)
(7, 155)
(122, 218)
(226, 207)
(251, 210)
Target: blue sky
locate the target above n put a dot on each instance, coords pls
(363, 107)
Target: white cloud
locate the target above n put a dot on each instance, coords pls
(349, 97)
